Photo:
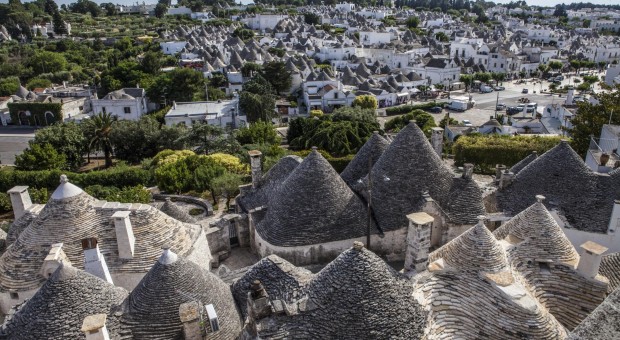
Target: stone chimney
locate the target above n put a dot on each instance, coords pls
(174, 104)
(52, 261)
(614, 221)
(418, 241)
(189, 313)
(506, 179)
(499, 169)
(437, 140)
(256, 166)
(590, 259)
(124, 234)
(20, 200)
(468, 170)
(259, 305)
(570, 94)
(94, 263)
(94, 327)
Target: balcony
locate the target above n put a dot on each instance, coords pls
(603, 155)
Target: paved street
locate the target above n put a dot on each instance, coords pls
(13, 141)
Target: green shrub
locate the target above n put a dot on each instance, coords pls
(39, 196)
(399, 110)
(485, 151)
(5, 202)
(424, 120)
(196, 211)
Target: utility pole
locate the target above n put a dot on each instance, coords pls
(496, 103)
(206, 89)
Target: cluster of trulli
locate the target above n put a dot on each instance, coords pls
(300, 208)
(524, 281)
(117, 242)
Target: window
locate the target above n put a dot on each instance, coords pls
(103, 109)
(127, 109)
(14, 295)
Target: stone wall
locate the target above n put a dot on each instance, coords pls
(206, 205)
(392, 246)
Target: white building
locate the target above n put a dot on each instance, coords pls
(261, 22)
(602, 154)
(172, 47)
(220, 113)
(126, 104)
(439, 71)
(372, 37)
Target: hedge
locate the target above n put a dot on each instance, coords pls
(50, 179)
(399, 110)
(486, 151)
(37, 112)
(338, 163)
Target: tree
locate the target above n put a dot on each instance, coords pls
(467, 79)
(483, 77)
(205, 138)
(152, 62)
(312, 18)
(40, 157)
(60, 27)
(243, 34)
(250, 69)
(366, 102)
(276, 73)
(46, 61)
(227, 186)
(257, 107)
(67, 139)
(101, 127)
(258, 133)
(85, 7)
(109, 8)
(38, 83)
(441, 36)
(555, 65)
(591, 119)
(50, 7)
(180, 85)
(9, 86)
(160, 10)
(413, 22)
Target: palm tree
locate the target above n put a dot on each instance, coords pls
(101, 126)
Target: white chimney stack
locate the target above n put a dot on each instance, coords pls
(590, 259)
(94, 263)
(437, 140)
(468, 170)
(52, 261)
(614, 221)
(94, 327)
(256, 167)
(20, 200)
(124, 234)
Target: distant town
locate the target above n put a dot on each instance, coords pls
(409, 169)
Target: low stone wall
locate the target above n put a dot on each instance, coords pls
(206, 205)
(391, 246)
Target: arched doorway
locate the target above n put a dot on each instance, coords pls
(49, 118)
(24, 118)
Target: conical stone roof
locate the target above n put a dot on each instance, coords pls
(535, 234)
(475, 250)
(359, 165)
(281, 279)
(314, 205)
(569, 185)
(270, 182)
(359, 296)
(152, 309)
(58, 309)
(523, 163)
(408, 169)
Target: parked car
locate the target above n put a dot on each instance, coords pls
(436, 109)
(467, 122)
(559, 78)
(525, 91)
(486, 89)
(499, 88)
(500, 107)
(513, 110)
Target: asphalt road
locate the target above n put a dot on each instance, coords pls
(13, 141)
